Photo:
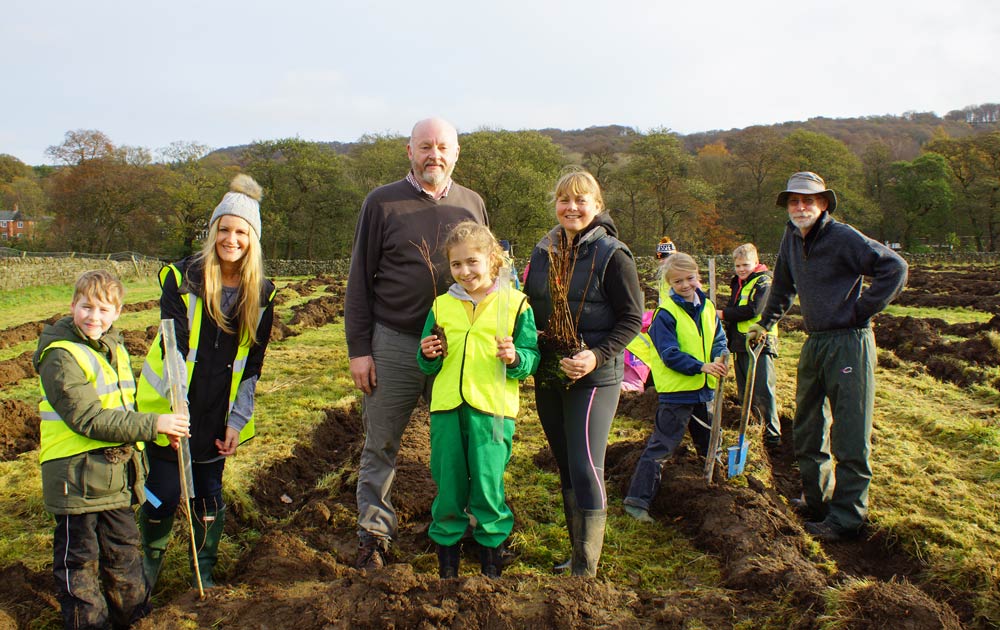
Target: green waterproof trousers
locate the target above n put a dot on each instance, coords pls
(834, 401)
(467, 466)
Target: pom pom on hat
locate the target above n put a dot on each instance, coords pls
(665, 247)
(243, 201)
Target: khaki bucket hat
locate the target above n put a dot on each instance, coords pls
(807, 183)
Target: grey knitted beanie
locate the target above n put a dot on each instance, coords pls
(242, 200)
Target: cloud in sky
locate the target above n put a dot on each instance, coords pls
(224, 73)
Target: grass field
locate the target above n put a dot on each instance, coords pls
(934, 496)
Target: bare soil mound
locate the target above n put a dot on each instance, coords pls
(280, 331)
(24, 595)
(639, 405)
(898, 605)
(763, 549)
(13, 370)
(137, 341)
(318, 312)
(136, 307)
(23, 332)
(969, 287)
(922, 340)
(308, 287)
(19, 424)
(396, 597)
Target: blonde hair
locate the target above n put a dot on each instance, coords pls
(678, 261)
(479, 238)
(746, 251)
(100, 285)
(579, 182)
(251, 281)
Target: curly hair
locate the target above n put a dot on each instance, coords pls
(479, 238)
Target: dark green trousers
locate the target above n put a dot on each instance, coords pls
(834, 401)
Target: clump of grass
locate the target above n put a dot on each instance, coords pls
(957, 315)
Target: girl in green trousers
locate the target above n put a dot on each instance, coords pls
(472, 409)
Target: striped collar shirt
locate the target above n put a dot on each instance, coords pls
(410, 177)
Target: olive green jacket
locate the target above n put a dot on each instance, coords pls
(90, 481)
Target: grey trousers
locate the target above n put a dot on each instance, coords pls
(385, 414)
(834, 402)
(763, 390)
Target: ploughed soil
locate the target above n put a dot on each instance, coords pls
(299, 573)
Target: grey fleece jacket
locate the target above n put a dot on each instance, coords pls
(825, 269)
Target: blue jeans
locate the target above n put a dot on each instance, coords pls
(668, 431)
(763, 390)
(164, 481)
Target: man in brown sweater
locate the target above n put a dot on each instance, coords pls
(389, 291)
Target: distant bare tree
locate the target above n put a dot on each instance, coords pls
(81, 145)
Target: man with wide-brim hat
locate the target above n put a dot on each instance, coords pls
(811, 198)
(824, 262)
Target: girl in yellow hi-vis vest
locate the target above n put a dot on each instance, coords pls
(687, 343)
(472, 412)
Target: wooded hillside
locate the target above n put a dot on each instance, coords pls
(918, 179)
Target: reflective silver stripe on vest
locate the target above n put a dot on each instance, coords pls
(192, 305)
(154, 380)
(49, 415)
(102, 386)
(192, 354)
(241, 364)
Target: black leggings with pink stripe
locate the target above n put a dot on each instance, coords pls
(576, 422)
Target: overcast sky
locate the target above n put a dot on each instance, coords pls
(220, 73)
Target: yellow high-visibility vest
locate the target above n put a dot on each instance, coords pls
(689, 339)
(469, 372)
(115, 389)
(745, 292)
(154, 393)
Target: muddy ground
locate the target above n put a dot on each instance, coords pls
(300, 572)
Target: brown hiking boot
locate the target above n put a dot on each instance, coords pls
(372, 553)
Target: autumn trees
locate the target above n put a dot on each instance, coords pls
(708, 192)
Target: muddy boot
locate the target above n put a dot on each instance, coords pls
(589, 542)
(155, 536)
(373, 552)
(572, 524)
(207, 534)
(490, 561)
(448, 560)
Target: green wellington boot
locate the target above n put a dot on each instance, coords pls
(208, 528)
(155, 536)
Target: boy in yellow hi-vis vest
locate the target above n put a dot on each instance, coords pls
(92, 468)
(749, 287)
(685, 343)
(468, 453)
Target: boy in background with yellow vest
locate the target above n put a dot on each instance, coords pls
(748, 295)
(91, 472)
(685, 345)
(468, 452)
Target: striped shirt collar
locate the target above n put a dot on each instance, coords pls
(410, 177)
